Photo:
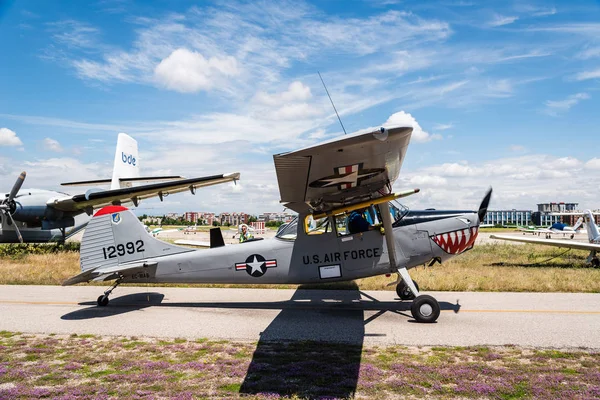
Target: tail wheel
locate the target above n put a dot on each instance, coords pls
(102, 301)
(404, 292)
(425, 309)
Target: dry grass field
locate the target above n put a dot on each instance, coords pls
(489, 267)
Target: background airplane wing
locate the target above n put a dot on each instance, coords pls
(549, 242)
(134, 194)
(144, 180)
(341, 171)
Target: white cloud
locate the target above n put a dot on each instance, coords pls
(52, 145)
(189, 71)
(9, 138)
(517, 148)
(518, 182)
(500, 20)
(297, 91)
(591, 52)
(594, 163)
(402, 118)
(582, 76)
(555, 106)
(443, 127)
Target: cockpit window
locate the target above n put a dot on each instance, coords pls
(398, 210)
(289, 231)
(316, 226)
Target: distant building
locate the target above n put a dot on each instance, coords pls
(544, 219)
(508, 217)
(191, 216)
(206, 218)
(173, 216)
(557, 207)
(277, 216)
(234, 218)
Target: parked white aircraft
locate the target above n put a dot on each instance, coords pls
(593, 235)
(557, 227)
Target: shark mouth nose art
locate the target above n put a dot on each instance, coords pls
(456, 242)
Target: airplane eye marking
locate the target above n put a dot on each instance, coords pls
(255, 265)
(456, 242)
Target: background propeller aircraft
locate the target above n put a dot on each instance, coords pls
(325, 183)
(36, 215)
(593, 237)
(557, 227)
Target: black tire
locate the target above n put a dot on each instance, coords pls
(425, 309)
(404, 292)
(102, 301)
(595, 262)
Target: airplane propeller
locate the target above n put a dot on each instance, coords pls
(484, 205)
(8, 206)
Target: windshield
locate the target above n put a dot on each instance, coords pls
(290, 231)
(398, 210)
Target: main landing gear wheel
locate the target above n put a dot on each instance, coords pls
(404, 292)
(425, 309)
(102, 300)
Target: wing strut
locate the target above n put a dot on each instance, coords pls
(391, 246)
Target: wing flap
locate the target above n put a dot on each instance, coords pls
(107, 197)
(570, 244)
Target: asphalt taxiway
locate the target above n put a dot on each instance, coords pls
(561, 320)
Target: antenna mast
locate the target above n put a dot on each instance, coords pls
(334, 109)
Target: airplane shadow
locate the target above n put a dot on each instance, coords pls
(311, 350)
(118, 305)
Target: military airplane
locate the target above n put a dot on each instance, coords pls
(593, 238)
(35, 215)
(325, 183)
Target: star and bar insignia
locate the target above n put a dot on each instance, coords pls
(255, 265)
(346, 177)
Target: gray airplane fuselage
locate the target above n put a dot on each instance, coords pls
(419, 237)
(36, 221)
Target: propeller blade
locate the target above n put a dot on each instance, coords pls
(16, 228)
(484, 205)
(17, 186)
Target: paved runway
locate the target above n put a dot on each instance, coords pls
(560, 320)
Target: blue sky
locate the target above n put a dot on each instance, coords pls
(501, 94)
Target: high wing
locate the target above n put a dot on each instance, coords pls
(135, 194)
(343, 171)
(570, 244)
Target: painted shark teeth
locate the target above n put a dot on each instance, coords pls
(456, 242)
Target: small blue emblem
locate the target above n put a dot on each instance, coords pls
(116, 218)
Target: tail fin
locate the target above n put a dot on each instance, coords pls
(592, 229)
(216, 238)
(127, 163)
(578, 223)
(115, 236)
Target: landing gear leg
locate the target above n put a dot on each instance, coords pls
(404, 292)
(103, 299)
(424, 308)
